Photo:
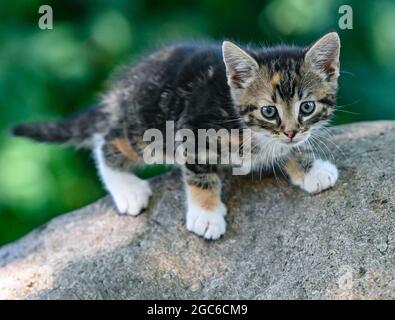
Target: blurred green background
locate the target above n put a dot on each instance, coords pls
(45, 74)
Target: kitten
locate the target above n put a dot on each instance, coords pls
(281, 94)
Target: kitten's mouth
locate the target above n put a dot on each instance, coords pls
(299, 139)
(294, 142)
(289, 143)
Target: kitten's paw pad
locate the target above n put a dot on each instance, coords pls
(209, 224)
(131, 199)
(322, 175)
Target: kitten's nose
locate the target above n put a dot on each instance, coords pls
(291, 133)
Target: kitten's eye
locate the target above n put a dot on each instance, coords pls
(307, 107)
(269, 112)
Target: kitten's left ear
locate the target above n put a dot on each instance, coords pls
(241, 68)
(324, 54)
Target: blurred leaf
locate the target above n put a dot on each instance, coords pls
(112, 32)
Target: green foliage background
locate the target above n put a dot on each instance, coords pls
(51, 73)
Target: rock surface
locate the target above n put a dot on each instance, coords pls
(281, 243)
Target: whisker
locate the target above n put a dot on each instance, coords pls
(318, 141)
(272, 162)
(347, 72)
(349, 112)
(315, 142)
(312, 150)
(330, 141)
(348, 104)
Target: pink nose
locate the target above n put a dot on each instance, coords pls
(291, 133)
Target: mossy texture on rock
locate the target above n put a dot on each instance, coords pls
(281, 243)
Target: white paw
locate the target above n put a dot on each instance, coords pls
(321, 176)
(207, 223)
(130, 194)
(132, 199)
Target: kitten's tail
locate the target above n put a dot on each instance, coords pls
(77, 130)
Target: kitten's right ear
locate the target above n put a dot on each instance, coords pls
(324, 54)
(241, 68)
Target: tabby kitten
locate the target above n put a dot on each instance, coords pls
(281, 94)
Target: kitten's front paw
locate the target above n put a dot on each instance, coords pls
(207, 223)
(131, 198)
(321, 176)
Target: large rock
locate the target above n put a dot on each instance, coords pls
(281, 242)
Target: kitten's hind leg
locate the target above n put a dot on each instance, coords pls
(205, 210)
(115, 159)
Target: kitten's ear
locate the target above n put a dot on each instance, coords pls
(324, 54)
(241, 68)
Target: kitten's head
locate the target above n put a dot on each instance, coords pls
(284, 92)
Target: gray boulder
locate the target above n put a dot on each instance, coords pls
(281, 243)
